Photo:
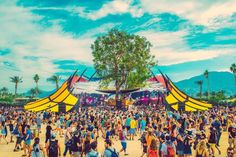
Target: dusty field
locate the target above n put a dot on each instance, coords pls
(134, 148)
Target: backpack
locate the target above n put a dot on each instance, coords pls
(93, 155)
(170, 151)
(121, 136)
(53, 147)
(113, 153)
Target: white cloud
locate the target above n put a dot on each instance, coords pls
(207, 13)
(170, 48)
(112, 7)
(21, 33)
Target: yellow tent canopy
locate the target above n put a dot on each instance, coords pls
(178, 100)
(60, 101)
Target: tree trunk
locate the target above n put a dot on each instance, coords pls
(15, 89)
(57, 85)
(208, 84)
(37, 89)
(235, 78)
(200, 92)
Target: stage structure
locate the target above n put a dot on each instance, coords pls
(60, 101)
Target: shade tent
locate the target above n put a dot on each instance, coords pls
(60, 101)
(178, 100)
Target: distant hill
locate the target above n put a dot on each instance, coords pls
(218, 81)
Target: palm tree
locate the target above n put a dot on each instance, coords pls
(36, 80)
(33, 92)
(233, 70)
(206, 74)
(55, 79)
(16, 80)
(200, 82)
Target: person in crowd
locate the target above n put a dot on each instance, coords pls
(76, 144)
(201, 150)
(212, 141)
(109, 150)
(37, 149)
(48, 132)
(68, 138)
(153, 149)
(232, 135)
(53, 148)
(11, 129)
(3, 132)
(168, 149)
(93, 152)
(27, 141)
(132, 128)
(123, 138)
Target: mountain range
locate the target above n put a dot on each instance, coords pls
(218, 81)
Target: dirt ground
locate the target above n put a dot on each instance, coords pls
(134, 148)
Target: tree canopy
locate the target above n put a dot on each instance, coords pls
(122, 58)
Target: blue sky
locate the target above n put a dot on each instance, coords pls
(54, 37)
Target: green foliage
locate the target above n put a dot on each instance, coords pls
(7, 98)
(216, 97)
(122, 58)
(33, 92)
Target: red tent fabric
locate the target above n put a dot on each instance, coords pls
(159, 78)
(76, 78)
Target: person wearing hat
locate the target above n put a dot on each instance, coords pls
(53, 148)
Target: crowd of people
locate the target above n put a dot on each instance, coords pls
(161, 133)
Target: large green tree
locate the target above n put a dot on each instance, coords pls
(36, 80)
(233, 70)
(123, 59)
(54, 79)
(16, 80)
(206, 75)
